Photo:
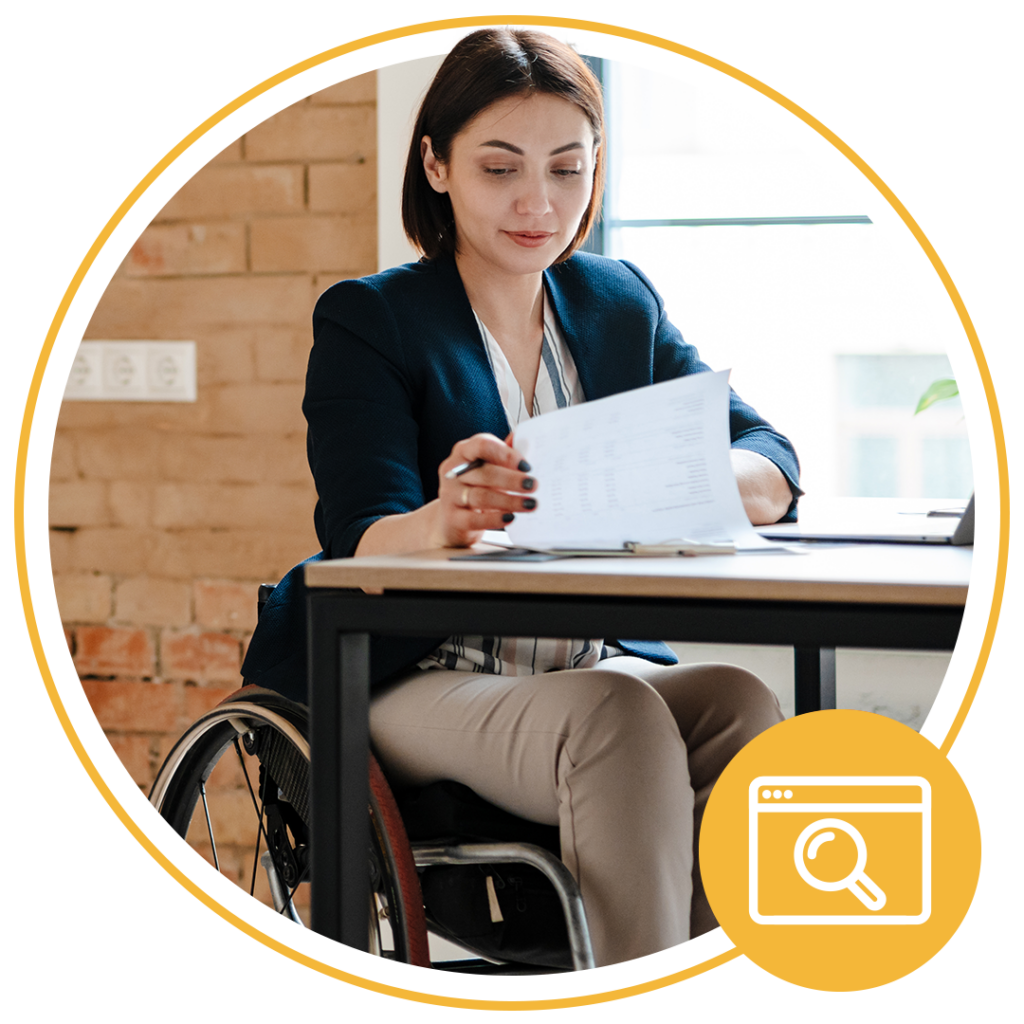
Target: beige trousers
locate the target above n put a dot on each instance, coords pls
(622, 757)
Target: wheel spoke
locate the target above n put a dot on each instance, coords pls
(260, 833)
(209, 825)
(245, 774)
(187, 778)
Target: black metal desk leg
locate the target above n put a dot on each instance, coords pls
(814, 669)
(339, 787)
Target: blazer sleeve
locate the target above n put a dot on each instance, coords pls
(362, 436)
(362, 441)
(674, 357)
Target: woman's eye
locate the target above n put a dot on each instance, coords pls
(498, 172)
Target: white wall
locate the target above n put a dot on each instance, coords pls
(400, 89)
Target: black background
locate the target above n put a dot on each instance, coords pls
(92, 115)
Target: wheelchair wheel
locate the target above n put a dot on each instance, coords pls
(236, 788)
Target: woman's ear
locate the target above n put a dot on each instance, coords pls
(436, 171)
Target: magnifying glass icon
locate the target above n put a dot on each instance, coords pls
(822, 831)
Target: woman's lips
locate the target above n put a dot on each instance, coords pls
(529, 239)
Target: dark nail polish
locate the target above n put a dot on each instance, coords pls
(529, 503)
(528, 483)
(524, 466)
(507, 517)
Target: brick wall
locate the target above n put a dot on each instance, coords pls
(164, 517)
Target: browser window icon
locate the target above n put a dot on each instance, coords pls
(840, 849)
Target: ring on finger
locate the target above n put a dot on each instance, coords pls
(464, 500)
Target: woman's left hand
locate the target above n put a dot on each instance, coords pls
(764, 490)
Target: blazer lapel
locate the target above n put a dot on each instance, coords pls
(583, 343)
(476, 383)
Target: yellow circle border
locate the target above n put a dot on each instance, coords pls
(163, 164)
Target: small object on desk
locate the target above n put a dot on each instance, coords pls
(683, 546)
(507, 555)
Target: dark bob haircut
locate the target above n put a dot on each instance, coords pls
(488, 66)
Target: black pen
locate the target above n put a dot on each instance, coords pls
(524, 467)
(464, 468)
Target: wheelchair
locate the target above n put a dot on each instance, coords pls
(236, 787)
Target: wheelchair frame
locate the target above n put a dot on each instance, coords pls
(274, 731)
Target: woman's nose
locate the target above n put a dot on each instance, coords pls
(532, 199)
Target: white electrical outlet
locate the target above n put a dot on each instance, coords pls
(133, 371)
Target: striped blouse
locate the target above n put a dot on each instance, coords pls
(557, 386)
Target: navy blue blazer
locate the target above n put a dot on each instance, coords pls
(398, 374)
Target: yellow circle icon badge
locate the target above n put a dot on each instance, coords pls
(840, 850)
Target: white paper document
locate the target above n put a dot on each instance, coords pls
(646, 466)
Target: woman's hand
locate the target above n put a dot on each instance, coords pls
(485, 498)
(764, 490)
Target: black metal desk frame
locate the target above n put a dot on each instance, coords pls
(341, 621)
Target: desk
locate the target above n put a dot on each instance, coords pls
(879, 596)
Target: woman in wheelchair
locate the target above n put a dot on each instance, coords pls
(424, 368)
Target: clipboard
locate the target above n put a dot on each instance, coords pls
(631, 549)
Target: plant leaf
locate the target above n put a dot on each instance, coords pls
(938, 391)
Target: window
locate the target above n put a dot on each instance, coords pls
(776, 257)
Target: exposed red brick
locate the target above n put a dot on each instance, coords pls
(82, 596)
(169, 249)
(200, 699)
(153, 602)
(110, 651)
(170, 507)
(225, 604)
(131, 706)
(233, 190)
(200, 656)
(79, 503)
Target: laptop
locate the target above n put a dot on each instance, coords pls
(879, 521)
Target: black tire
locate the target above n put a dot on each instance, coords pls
(236, 785)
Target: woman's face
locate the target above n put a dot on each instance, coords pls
(519, 176)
